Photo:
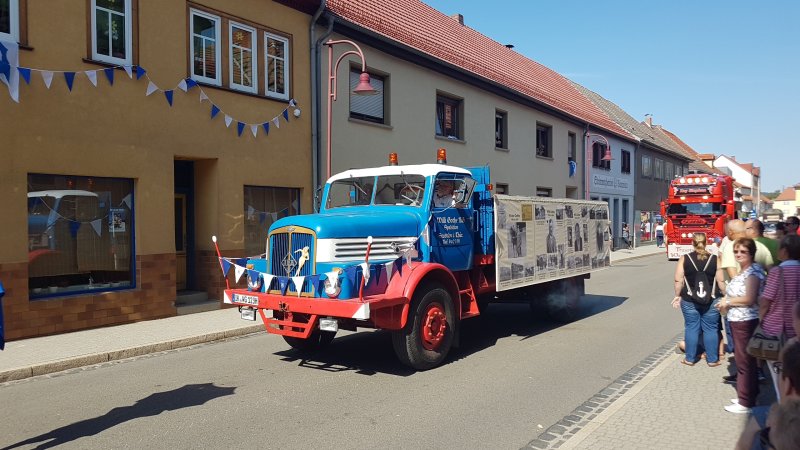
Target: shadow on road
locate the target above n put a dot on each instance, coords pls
(152, 405)
(371, 352)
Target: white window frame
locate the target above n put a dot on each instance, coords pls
(267, 57)
(218, 40)
(13, 16)
(254, 55)
(128, 35)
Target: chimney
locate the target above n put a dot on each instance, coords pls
(649, 120)
(458, 18)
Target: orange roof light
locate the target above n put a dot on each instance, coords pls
(393, 159)
(441, 156)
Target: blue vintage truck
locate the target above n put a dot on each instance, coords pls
(416, 249)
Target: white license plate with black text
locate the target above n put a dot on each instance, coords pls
(248, 299)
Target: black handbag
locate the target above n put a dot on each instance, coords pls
(766, 346)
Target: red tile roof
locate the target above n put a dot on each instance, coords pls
(683, 145)
(786, 194)
(429, 31)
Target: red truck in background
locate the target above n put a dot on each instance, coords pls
(697, 203)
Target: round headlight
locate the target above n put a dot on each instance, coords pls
(332, 291)
(690, 235)
(683, 235)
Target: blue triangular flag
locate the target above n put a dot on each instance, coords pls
(139, 72)
(375, 271)
(190, 83)
(240, 262)
(398, 266)
(214, 111)
(226, 267)
(350, 273)
(253, 275)
(239, 128)
(283, 283)
(110, 75)
(73, 228)
(26, 74)
(168, 94)
(265, 125)
(70, 77)
(286, 114)
(314, 279)
(262, 217)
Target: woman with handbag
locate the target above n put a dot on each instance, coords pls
(696, 278)
(741, 309)
(780, 294)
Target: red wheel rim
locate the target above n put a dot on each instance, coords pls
(434, 326)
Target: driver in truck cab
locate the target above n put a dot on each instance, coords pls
(444, 195)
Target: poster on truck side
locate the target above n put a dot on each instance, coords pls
(539, 239)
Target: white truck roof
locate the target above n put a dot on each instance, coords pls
(415, 169)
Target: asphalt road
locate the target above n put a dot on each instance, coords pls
(513, 376)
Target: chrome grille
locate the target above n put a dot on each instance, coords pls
(382, 248)
(285, 247)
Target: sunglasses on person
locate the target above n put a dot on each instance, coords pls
(741, 251)
(763, 438)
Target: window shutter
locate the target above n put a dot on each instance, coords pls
(368, 105)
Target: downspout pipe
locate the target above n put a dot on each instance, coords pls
(585, 162)
(316, 77)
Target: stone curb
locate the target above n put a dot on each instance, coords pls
(20, 373)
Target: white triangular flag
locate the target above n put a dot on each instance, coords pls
(47, 76)
(298, 284)
(254, 130)
(267, 281)
(296, 204)
(365, 272)
(182, 85)
(151, 87)
(389, 270)
(409, 254)
(333, 278)
(203, 96)
(292, 102)
(92, 76)
(426, 234)
(238, 270)
(127, 201)
(96, 225)
(277, 122)
(228, 120)
(128, 71)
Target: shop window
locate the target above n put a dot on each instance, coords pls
(370, 108)
(112, 31)
(262, 207)
(80, 234)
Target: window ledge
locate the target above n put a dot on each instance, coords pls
(444, 138)
(502, 149)
(549, 158)
(367, 122)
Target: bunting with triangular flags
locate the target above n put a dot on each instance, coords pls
(283, 283)
(298, 284)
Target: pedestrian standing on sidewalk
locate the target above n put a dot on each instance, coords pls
(659, 234)
(626, 235)
(741, 309)
(696, 279)
(781, 293)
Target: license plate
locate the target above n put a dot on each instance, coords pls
(248, 314)
(249, 299)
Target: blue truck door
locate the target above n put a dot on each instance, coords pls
(483, 203)
(451, 225)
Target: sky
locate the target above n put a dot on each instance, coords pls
(724, 76)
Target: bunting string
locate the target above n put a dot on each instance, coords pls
(96, 223)
(185, 85)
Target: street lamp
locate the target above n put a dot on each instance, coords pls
(606, 157)
(363, 88)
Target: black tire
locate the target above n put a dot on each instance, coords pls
(426, 339)
(563, 299)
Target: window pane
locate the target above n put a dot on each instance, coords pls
(102, 31)
(118, 35)
(367, 107)
(262, 206)
(113, 5)
(242, 56)
(199, 65)
(5, 16)
(276, 65)
(203, 26)
(80, 234)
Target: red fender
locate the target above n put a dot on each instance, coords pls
(404, 284)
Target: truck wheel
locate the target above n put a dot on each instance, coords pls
(564, 298)
(428, 335)
(317, 340)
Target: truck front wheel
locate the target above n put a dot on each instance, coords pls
(428, 335)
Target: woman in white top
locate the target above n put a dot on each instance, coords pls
(742, 312)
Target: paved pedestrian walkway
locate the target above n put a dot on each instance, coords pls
(659, 404)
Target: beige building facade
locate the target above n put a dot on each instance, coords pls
(126, 181)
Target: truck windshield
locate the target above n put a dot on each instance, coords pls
(696, 208)
(400, 190)
(350, 192)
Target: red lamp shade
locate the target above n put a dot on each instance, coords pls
(607, 155)
(364, 88)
